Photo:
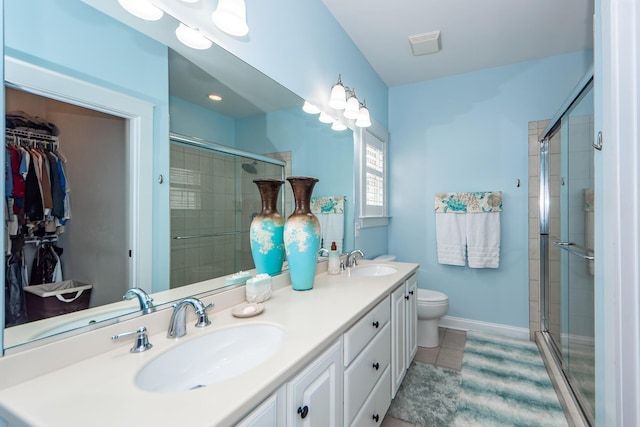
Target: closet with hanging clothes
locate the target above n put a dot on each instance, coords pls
(51, 146)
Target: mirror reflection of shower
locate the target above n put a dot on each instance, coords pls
(250, 167)
(213, 200)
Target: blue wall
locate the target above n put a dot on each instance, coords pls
(469, 132)
(75, 39)
(192, 120)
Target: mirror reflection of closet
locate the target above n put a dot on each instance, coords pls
(94, 240)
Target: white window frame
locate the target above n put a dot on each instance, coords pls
(374, 135)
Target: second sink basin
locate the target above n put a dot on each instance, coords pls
(211, 358)
(373, 270)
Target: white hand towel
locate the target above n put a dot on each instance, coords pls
(483, 239)
(450, 238)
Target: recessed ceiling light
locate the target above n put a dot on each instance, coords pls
(215, 97)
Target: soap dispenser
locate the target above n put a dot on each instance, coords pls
(334, 260)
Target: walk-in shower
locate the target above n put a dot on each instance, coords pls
(567, 244)
(213, 199)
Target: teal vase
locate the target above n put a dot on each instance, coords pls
(302, 235)
(267, 229)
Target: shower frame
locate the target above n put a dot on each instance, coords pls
(556, 351)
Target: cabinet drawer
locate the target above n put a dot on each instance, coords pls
(356, 338)
(365, 371)
(376, 406)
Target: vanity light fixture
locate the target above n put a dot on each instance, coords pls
(352, 109)
(337, 99)
(231, 17)
(214, 97)
(192, 38)
(143, 9)
(363, 120)
(190, 1)
(309, 108)
(344, 98)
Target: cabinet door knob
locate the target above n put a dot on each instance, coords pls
(304, 411)
(376, 324)
(406, 297)
(411, 292)
(376, 366)
(376, 417)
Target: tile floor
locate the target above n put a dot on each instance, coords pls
(447, 355)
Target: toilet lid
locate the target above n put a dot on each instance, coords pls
(431, 296)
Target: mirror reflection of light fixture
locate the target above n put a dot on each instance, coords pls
(143, 9)
(214, 97)
(352, 109)
(309, 108)
(325, 118)
(231, 17)
(192, 38)
(337, 99)
(338, 125)
(363, 120)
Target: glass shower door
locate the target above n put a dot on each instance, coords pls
(570, 279)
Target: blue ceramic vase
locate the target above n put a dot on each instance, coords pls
(267, 229)
(302, 235)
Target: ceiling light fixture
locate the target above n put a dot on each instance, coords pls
(192, 38)
(231, 17)
(143, 9)
(214, 97)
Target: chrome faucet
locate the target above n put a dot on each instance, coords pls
(177, 324)
(352, 257)
(146, 302)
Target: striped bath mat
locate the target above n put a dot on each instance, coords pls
(505, 383)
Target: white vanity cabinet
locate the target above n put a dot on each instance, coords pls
(367, 374)
(270, 413)
(314, 397)
(404, 323)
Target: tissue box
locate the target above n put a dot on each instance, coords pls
(258, 289)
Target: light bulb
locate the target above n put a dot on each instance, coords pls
(192, 37)
(352, 110)
(364, 120)
(231, 17)
(143, 9)
(309, 108)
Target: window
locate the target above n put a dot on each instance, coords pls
(372, 179)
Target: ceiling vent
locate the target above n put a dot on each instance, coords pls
(422, 44)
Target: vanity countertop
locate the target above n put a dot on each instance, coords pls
(100, 391)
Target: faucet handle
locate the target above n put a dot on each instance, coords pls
(203, 318)
(142, 340)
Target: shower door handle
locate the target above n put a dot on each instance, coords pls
(598, 145)
(571, 248)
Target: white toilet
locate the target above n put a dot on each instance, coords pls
(431, 306)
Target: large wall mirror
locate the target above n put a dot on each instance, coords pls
(196, 158)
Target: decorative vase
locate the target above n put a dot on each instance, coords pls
(267, 229)
(302, 235)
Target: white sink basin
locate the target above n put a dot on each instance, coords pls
(211, 358)
(373, 270)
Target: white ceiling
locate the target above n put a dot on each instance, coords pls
(475, 34)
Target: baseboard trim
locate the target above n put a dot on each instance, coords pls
(479, 326)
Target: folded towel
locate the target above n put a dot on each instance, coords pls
(450, 238)
(483, 239)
